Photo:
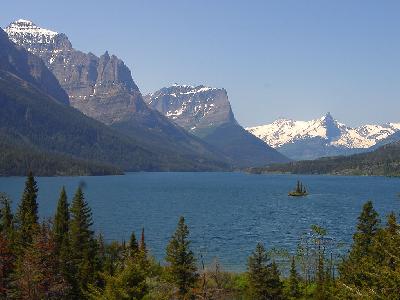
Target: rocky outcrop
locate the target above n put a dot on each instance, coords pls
(207, 113)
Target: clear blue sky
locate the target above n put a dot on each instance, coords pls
(297, 59)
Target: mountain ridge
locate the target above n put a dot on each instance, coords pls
(337, 138)
(103, 88)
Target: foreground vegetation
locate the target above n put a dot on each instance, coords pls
(62, 258)
(384, 161)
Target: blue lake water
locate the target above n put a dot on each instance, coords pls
(227, 213)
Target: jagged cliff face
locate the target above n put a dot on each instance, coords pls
(197, 109)
(30, 68)
(207, 113)
(101, 87)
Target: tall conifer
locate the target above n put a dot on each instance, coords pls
(61, 221)
(82, 243)
(181, 261)
(27, 214)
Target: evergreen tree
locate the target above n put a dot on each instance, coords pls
(356, 269)
(181, 261)
(27, 214)
(142, 246)
(275, 285)
(293, 289)
(264, 278)
(6, 216)
(82, 243)
(133, 244)
(61, 221)
(128, 282)
(368, 225)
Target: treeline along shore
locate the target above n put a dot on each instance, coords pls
(63, 258)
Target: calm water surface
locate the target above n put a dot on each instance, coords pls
(227, 213)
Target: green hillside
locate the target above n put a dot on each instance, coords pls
(384, 161)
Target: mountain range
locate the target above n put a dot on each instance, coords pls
(320, 137)
(41, 65)
(69, 112)
(103, 89)
(206, 112)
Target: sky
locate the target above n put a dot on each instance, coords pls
(296, 59)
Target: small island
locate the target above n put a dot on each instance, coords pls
(300, 190)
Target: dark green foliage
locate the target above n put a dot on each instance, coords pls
(293, 284)
(181, 261)
(264, 277)
(133, 244)
(372, 269)
(31, 120)
(383, 161)
(142, 246)
(82, 243)
(61, 221)
(27, 215)
(367, 227)
(18, 156)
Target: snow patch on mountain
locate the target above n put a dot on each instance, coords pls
(30, 32)
(284, 131)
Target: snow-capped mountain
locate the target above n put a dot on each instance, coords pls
(193, 108)
(290, 136)
(30, 33)
(207, 113)
(103, 89)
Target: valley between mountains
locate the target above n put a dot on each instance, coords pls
(67, 112)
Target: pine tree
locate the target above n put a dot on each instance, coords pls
(142, 246)
(368, 225)
(61, 222)
(82, 243)
(275, 285)
(133, 244)
(294, 291)
(354, 269)
(128, 282)
(27, 214)
(181, 261)
(264, 277)
(6, 216)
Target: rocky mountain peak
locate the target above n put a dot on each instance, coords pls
(195, 108)
(101, 87)
(26, 29)
(283, 131)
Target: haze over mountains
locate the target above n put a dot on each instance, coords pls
(181, 127)
(320, 137)
(207, 113)
(103, 89)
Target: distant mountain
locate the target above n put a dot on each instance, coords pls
(103, 88)
(321, 137)
(384, 161)
(207, 113)
(39, 132)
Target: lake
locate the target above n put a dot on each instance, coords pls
(227, 213)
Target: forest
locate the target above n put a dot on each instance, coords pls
(384, 161)
(63, 258)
